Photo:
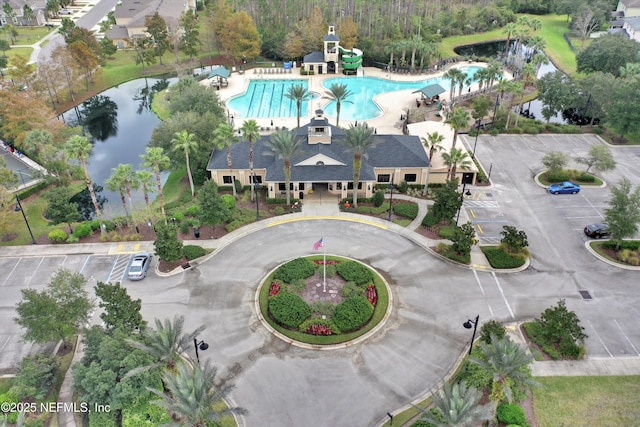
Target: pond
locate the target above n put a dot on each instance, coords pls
(120, 123)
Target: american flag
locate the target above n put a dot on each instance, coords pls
(317, 245)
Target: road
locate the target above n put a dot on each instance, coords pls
(419, 344)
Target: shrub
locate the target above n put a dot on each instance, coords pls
(238, 186)
(558, 176)
(299, 268)
(278, 210)
(83, 230)
(511, 413)
(499, 258)
(36, 375)
(185, 224)
(378, 198)
(57, 235)
(233, 225)
(193, 252)
(447, 232)
(289, 309)
(10, 397)
(229, 200)
(193, 210)
(492, 327)
(632, 245)
(179, 216)
(350, 289)
(297, 286)
(352, 271)
(404, 185)
(331, 270)
(74, 239)
(352, 313)
(320, 308)
(561, 328)
(429, 220)
(535, 334)
(585, 177)
(407, 210)
(327, 325)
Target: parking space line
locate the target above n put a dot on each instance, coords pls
(480, 229)
(583, 217)
(599, 339)
(472, 214)
(5, 344)
(12, 270)
(62, 263)
(495, 278)
(475, 273)
(626, 337)
(86, 262)
(33, 272)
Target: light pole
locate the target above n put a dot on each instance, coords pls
(19, 208)
(257, 188)
(467, 325)
(390, 186)
(199, 345)
(495, 108)
(390, 415)
(468, 193)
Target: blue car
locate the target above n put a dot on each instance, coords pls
(564, 188)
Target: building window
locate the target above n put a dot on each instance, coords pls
(384, 177)
(410, 177)
(350, 186)
(338, 186)
(310, 67)
(258, 179)
(281, 186)
(226, 179)
(319, 163)
(301, 186)
(318, 130)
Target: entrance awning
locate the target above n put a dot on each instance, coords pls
(431, 90)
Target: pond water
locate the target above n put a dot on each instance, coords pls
(121, 122)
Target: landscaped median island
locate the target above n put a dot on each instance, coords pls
(323, 300)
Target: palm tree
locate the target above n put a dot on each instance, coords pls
(455, 75)
(528, 73)
(494, 72)
(144, 177)
(158, 161)
(36, 140)
(509, 29)
(482, 77)
(129, 180)
(516, 90)
(225, 137)
(250, 133)
(298, 94)
(192, 399)
(166, 343)
(459, 406)
(339, 93)
(186, 142)
(502, 86)
(116, 183)
(284, 144)
(358, 139)
(630, 71)
(432, 143)
(458, 119)
(463, 79)
(506, 361)
(79, 147)
(455, 158)
(539, 59)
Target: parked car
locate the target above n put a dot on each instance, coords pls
(65, 12)
(597, 230)
(139, 265)
(566, 187)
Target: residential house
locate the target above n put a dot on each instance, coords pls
(18, 19)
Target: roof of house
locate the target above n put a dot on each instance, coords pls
(633, 22)
(314, 57)
(630, 3)
(331, 38)
(117, 32)
(326, 162)
(139, 10)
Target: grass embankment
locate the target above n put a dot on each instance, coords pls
(587, 401)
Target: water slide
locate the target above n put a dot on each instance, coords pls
(351, 59)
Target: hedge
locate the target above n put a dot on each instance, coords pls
(352, 271)
(299, 268)
(499, 258)
(429, 220)
(407, 210)
(289, 309)
(511, 413)
(193, 252)
(632, 245)
(352, 313)
(83, 230)
(57, 235)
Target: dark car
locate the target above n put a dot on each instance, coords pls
(566, 187)
(597, 230)
(139, 265)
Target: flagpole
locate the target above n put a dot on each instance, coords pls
(324, 272)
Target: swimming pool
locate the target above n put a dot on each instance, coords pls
(266, 98)
(365, 89)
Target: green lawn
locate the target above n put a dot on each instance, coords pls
(587, 401)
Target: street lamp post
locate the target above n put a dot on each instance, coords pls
(464, 186)
(257, 188)
(467, 325)
(390, 415)
(199, 345)
(19, 208)
(495, 108)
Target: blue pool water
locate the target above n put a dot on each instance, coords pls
(265, 98)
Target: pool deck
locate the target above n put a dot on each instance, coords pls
(393, 104)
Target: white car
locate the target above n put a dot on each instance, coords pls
(139, 265)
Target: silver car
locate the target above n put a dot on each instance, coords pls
(139, 265)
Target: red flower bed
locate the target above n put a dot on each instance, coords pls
(274, 289)
(372, 296)
(330, 262)
(319, 330)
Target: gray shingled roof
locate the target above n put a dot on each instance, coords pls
(331, 38)
(389, 151)
(314, 57)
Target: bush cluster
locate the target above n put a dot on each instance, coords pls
(193, 252)
(632, 245)
(499, 258)
(57, 235)
(352, 271)
(374, 210)
(352, 313)
(511, 413)
(492, 327)
(289, 309)
(378, 198)
(83, 230)
(319, 321)
(447, 232)
(350, 289)
(407, 210)
(429, 220)
(299, 268)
